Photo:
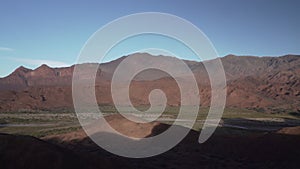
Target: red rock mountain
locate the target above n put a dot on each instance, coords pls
(262, 83)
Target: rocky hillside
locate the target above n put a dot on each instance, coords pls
(264, 83)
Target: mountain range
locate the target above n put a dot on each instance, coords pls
(269, 84)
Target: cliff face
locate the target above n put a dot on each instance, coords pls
(269, 83)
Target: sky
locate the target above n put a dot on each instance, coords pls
(53, 32)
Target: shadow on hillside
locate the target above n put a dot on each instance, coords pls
(18, 151)
(271, 150)
(222, 151)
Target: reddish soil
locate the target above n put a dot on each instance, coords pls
(270, 84)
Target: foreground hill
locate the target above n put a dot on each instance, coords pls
(269, 84)
(223, 150)
(19, 151)
(226, 149)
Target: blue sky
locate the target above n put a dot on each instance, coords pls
(53, 32)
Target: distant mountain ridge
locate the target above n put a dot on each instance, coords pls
(270, 83)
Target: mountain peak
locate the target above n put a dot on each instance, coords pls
(21, 70)
(230, 55)
(44, 70)
(44, 66)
